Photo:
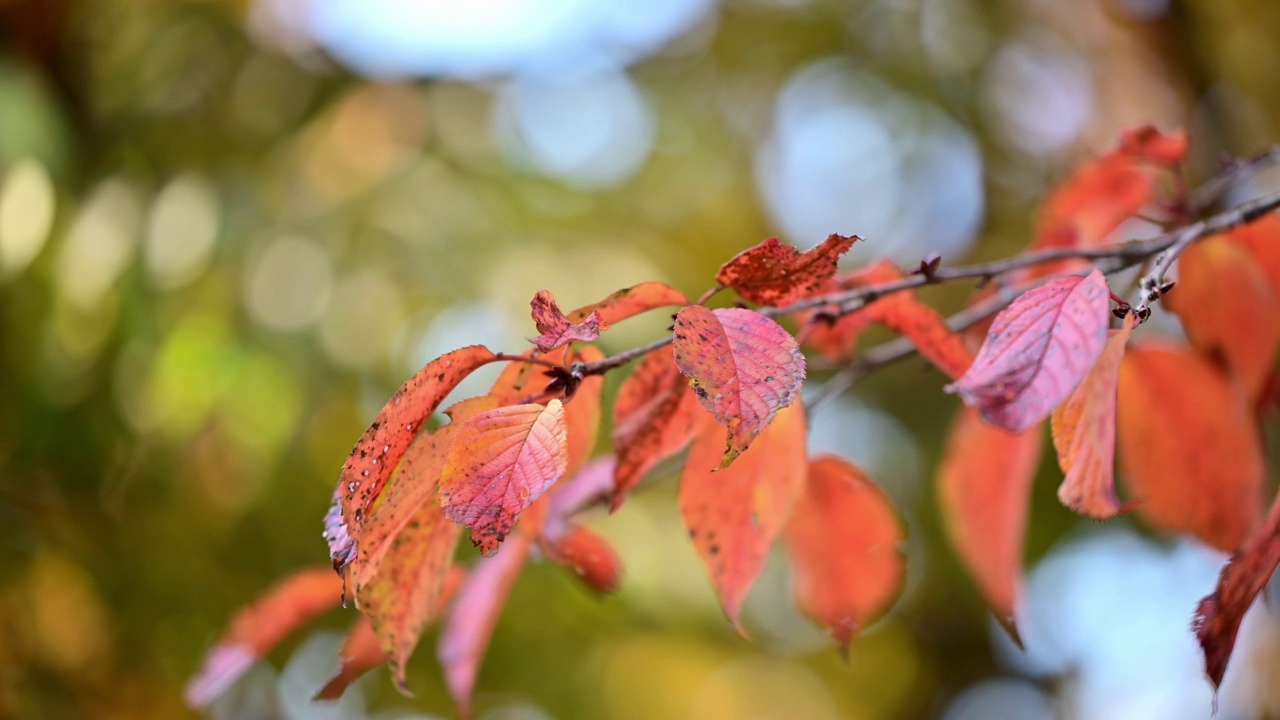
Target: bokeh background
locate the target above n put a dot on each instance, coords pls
(230, 228)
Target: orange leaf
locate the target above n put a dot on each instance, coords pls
(470, 624)
(631, 302)
(734, 514)
(744, 368)
(1262, 239)
(1228, 309)
(1039, 348)
(1188, 446)
(654, 417)
(259, 626)
(556, 329)
(589, 555)
(984, 483)
(360, 653)
(500, 462)
(1218, 616)
(386, 440)
(1084, 434)
(775, 274)
(1105, 192)
(843, 540)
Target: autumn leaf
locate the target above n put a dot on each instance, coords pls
(1188, 446)
(984, 486)
(1262, 240)
(1084, 434)
(775, 274)
(501, 461)
(589, 555)
(1102, 193)
(360, 653)
(1218, 616)
(556, 329)
(589, 487)
(258, 627)
(470, 623)
(630, 302)
(654, 417)
(901, 312)
(744, 368)
(843, 539)
(1037, 351)
(1228, 309)
(381, 446)
(734, 514)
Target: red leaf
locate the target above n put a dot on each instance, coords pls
(500, 462)
(260, 626)
(1188, 446)
(631, 302)
(1039, 348)
(775, 274)
(900, 312)
(591, 486)
(844, 544)
(654, 417)
(1105, 192)
(386, 440)
(589, 555)
(556, 329)
(734, 514)
(1218, 616)
(360, 653)
(1228, 309)
(1084, 434)
(744, 368)
(470, 624)
(984, 483)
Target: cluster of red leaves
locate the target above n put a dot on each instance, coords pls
(511, 466)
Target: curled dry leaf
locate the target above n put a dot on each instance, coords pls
(654, 417)
(500, 462)
(1228, 309)
(630, 302)
(744, 368)
(1037, 351)
(1218, 617)
(382, 445)
(901, 312)
(556, 329)
(843, 540)
(775, 274)
(470, 623)
(258, 627)
(1188, 446)
(734, 514)
(984, 486)
(1084, 434)
(589, 555)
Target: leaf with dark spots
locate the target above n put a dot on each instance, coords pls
(734, 514)
(258, 627)
(556, 329)
(984, 487)
(380, 448)
(1037, 351)
(470, 623)
(1218, 616)
(500, 462)
(1084, 434)
(630, 302)
(743, 367)
(843, 540)
(775, 274)
(1189, 446)
(654, 417)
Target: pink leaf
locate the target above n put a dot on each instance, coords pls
(744, 368)
(501, 461)
(556, 329)
(1038, 350)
